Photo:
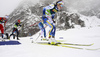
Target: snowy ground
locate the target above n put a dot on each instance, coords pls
(80, 36)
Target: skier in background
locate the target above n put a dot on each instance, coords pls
(3, 21)
(15, 29)
(43, 32)
(48, 18)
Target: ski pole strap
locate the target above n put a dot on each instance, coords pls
(43, 30)
(14, 30)
(35, 23)
(44, 27)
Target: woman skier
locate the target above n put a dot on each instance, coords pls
(48, 18)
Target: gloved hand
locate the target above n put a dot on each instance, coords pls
(4, 28)
(43, 16)
(54, 21)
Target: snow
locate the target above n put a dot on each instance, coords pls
(91, 21)
(80, 36)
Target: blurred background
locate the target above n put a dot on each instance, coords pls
(75, 13)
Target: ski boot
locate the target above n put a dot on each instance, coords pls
(2, 39)
(42, 39)
(9, 37)
(53, 38)
(52, 42)
(18, 39)
(13, 36)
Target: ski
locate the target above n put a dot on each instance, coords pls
(49, 44)
(92, 49)
(68, 44)
(77, 44)
(4, 39)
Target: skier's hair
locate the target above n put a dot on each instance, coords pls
(58, 1)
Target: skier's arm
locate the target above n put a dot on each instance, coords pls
(51, 6)
(46, 10)
(53, 18)
(20, 25)
(4, 21)
(53, 15)
(16, 25)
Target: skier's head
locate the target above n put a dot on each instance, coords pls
(59, 4)
(18, 21)
(6, 16)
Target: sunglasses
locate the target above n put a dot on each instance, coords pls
(61, 5)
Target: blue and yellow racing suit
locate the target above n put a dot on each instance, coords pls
(48, 16)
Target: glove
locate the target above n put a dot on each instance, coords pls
(43, 16)
(54, 21)
(4, 28)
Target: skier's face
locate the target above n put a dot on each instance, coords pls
(18, 22)
(59, 6)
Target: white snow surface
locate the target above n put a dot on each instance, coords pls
(76, 36)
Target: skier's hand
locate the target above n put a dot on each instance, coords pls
(54, 21)
(18, 30)
(4, 28)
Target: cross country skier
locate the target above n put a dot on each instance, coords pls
(43, 32)
(15, 29)
(48, 18)
(3, 21)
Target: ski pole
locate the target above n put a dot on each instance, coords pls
(37, 37)
(35, 23)
(41, 32)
